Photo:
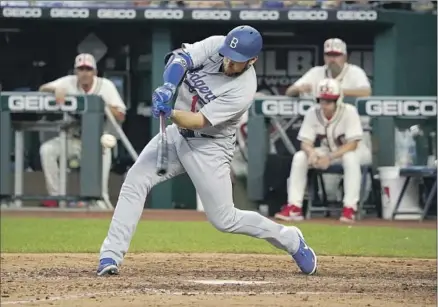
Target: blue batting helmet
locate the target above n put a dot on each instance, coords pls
(242, 44)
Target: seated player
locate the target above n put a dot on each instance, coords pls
(83, 82)
(338, 127)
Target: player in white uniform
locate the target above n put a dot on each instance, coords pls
(354, 83)
(83, 82)
(337, 126)
(215, 82)
(353, 79)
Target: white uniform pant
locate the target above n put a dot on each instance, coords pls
(50, 152)
(351, 162)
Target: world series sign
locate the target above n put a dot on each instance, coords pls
(84, 13)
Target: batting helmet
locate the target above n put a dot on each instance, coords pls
(329, 89)
(242, 44)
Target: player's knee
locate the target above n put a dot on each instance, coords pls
(225, 222)
(350, 158)
(46, 150)
(299, 158)
(137, 181)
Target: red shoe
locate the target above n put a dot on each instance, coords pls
(348, 215)
(49, 204)
(290, 213)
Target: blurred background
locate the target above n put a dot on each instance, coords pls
(34, 51)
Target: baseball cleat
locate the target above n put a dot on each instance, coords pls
(107, 266)
(290, 213)
(348, 215)
(305, 257)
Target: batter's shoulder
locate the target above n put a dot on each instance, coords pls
(247, 82)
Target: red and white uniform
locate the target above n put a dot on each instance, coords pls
(50, 150)
(343, 127)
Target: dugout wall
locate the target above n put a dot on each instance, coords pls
(396, 49)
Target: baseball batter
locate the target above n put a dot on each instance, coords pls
(214, 82)
(337, 126)
(83, 82)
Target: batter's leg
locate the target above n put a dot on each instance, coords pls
(208, 165)
(139, 180)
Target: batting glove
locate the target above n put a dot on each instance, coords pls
(161, 108)
(164, 93)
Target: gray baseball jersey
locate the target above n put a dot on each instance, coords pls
(220, 98)
(223, 100)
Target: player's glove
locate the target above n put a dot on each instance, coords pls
(164, 93)
(161, 107)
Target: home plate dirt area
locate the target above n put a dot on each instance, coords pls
(215, 280)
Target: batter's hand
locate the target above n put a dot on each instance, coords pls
(323, 162)
(60, 94)
(164, 93)
(161, 108)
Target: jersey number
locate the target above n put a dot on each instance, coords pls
(194, 102)
(233, 43)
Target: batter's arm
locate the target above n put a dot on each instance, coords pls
(188, 57)
(189, 120)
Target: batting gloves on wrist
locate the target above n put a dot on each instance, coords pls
(160, 107)
(162, 99)
(164, 93)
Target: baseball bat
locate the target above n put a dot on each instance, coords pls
(163, 154)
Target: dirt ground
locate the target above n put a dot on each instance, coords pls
(214, 279)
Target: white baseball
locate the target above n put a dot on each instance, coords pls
(108, 140)
(415, 130)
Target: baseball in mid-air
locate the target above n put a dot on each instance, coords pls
(108, 140)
